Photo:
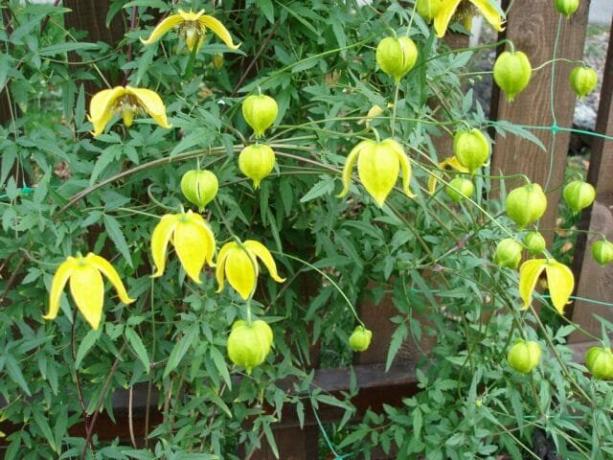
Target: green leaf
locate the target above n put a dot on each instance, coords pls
(16, 375)
(43, 424)
(267, 8)
(66, 47)
(114, 230)
(179, 350)
(86, 344)
(220, 364)
(139, 348)
(323, 187)
(271, 440)
(398, 337)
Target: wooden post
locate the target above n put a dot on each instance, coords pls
(593, 281)
(532, 27)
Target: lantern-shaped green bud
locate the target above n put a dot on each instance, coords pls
(512, 73)
(396, 56)
(360, 339)
(583, 80)
(260, 112)
(566, 7)
(524, 356)
(599, 361)
(602, 252)
(579, 195)
(460, 188)
(256, 162)
(199, 187)
(428, 9)
(471, 148)
(535, 243)
(508, 253)
(526, 204)
(249, 344)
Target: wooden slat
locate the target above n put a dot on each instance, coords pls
(594, 281)
(532, 27)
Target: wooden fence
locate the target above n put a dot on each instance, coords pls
(532, 29)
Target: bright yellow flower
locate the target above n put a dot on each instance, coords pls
(451, 162)
(192, 238)
(125, 101)
(379, 164)
(238, 262)
(86, 286)
(462, 9)
(560, 280)
(192, 27)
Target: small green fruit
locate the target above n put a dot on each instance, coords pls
(579, 195)
(602, 252)
(199, 187)
(567, 7)
(524, 356)
(512, 73)
(471, 148)
(599, 361)
(396, 56)
(508, 253)
(248, 345)
(583, 80)
(260, 112)
(535, 243)
(428, 9)
(256, 162)
(360, 339)
(526, 204)
(460, 188)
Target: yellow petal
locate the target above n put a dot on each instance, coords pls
(152, 103)
(190, 15)
(159, 242)
(444, 15)
(378, 168)
(261, 252)
(529, 273)
(455, 164)
(191, 244)
(405, 166)
(433, 181)
(111, 274)
(87, 290)
(211, 248)
(490, 13)
(561, 284)
(241, 271)
(170, 22)
(60, 278)
(349, 164)
(101, 108)
(218, 29)
(221, 262)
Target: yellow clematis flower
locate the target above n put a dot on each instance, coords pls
(379, 164)
(86, 286)
(126, 101)
(560, 280)
(444, 10)
(238, 262)
(451, 162)
(192, 27)
(192, 238)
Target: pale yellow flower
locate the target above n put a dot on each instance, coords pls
(86, 286)
(560, 281)
(442, 11)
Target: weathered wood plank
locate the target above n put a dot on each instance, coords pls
(593, 281)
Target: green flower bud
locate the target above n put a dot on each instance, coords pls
(460, 188)
(396, 56)
(602, 252)
(512, 73)
(428, 9)
(471, 148)
(256, 162)
(526, 204)
(199, 187)
(599, 361)
(248, 345)
(508, 253)
(360, 339)
(260, 112)
(579, 195)
(218, 61)
(535, 243)
(567, 7)
(583, 80)
(524, 356)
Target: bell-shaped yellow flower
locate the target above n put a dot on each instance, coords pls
(238, 262)
(560, 281)
(125, 101)
(463, 9)
(192, 27)
(379, 164)
(192, 238)
(86, 286)
(451, 162)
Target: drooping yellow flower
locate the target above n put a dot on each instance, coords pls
(192, 27)
(379, 164)
(238, 262)
(127, 102)
(86, 286)
(442, 11)
(192, 238)
(560, 281)
(451, 162)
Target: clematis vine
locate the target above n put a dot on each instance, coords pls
(86, 286)
(127, 102)
(238, 262)
(192, 28)
(192, 238)
(442, 11)
(560, 281)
